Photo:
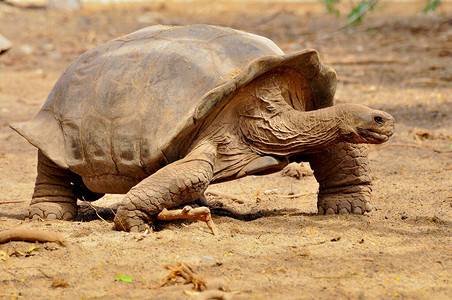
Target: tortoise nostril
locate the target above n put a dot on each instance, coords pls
(378, 120)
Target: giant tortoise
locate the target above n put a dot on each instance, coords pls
(161, 113)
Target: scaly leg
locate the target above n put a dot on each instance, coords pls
(344, 183)
(53, 197)
(177, 183)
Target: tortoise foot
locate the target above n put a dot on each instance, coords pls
(132, 220)
(52, 211)
(357, 203)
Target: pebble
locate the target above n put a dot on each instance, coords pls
(207, 259)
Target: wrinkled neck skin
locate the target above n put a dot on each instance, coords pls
(271, 126)
(261, 120)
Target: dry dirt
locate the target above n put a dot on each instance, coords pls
(399, 60)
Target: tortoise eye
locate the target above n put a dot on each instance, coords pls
(378, 120)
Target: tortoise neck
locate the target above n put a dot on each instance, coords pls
(292, 132)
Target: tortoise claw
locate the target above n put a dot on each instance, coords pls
(52, 211)
(342, 204)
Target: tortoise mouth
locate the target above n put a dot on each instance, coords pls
(374, 137)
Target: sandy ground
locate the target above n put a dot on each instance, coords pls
(399, 60)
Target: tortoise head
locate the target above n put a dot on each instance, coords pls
(361, 124)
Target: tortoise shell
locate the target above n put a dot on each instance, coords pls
(133, 105)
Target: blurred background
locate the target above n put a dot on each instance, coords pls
(390, 55)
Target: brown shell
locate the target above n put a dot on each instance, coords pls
(132, 105)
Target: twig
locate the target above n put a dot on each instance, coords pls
(224, 195)
(119, 219)
(32, 235)
(45, 274)
(296, 195)
(362, 258)
(183, 270)
(10, 202)
(188, 213)
(442, 151)
(92, 206)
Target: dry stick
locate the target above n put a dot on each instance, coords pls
(442, 151)
(183, 270)
(119, 219)
(361, 258)
(92, 206)
(296, 195)
(196, 214)
(32, 235)
(224, 195)
(10, 202)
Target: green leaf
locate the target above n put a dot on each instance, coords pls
(330, 7)
(123, 278)
(431, 5)
(358, 12)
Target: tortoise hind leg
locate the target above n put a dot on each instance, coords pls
(53, 197)
(343, 175)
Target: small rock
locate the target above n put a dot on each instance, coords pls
(26, 49)
(271, 192)
(38, 73)
(207, 259)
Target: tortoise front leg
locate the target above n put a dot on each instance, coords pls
(53, 197)
(178, 183)
(344, 182)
